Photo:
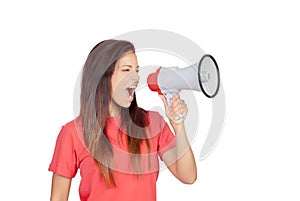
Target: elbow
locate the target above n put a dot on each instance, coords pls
(190, 179)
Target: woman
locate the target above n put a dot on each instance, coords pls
(113, 142)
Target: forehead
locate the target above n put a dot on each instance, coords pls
(128, 59)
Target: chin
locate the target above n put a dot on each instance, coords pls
(125, 105)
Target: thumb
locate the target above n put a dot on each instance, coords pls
(163, 98)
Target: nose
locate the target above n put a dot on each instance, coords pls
(137, 75)
(134, 76)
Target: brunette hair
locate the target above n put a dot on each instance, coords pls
(95, 97)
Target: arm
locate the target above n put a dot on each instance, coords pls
(60, 188)
(180, 160)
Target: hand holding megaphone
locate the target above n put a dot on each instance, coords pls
(203, 76)
(177, 109)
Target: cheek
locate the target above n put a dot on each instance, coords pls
(119, 82)
(117, 86)
(114, 82)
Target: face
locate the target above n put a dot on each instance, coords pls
(124, 81)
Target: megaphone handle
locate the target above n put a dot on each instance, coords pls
(169, 95)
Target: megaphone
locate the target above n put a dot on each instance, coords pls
(203, 76)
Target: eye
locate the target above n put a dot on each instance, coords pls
(126, 70)
(137, 70)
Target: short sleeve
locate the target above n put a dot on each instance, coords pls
(64, 158)
(166, 140)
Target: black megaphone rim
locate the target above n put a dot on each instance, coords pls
(199, 76)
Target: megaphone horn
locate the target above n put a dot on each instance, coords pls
(203, 76)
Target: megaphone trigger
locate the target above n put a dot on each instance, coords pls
(169, 95)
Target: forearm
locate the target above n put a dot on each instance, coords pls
(180, 160)
(60, 188)
(185, 163)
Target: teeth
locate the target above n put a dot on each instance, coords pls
(131, 91)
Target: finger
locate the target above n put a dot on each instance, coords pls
(163, 98)
(178, 103)
(175, 97)
(184, 110)
(176, 113)
(175, 104)
(180, 108)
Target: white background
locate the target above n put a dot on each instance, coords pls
(44, 44)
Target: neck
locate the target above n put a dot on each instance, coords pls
(114, 109)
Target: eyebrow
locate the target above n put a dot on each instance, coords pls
(130, 66)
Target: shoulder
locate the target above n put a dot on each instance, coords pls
(68, 127)
(71, 130)
(73, 125)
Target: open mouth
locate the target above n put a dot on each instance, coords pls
(131, 90)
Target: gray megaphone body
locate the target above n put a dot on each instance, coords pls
(203, 76)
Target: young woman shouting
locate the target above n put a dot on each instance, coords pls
(113, 142)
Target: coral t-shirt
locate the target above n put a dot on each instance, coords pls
(71, 154)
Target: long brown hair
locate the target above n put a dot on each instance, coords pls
(96, 95)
